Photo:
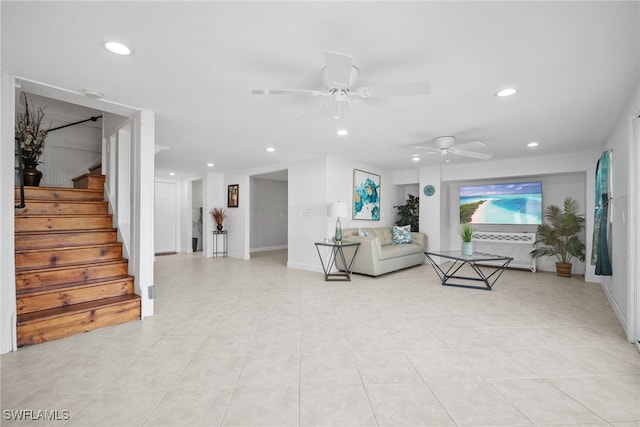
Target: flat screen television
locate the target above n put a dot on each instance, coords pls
(512, 203)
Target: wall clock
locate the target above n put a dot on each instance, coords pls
(429, 190)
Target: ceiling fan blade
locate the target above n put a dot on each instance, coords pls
(481, 156)
(338, 68)
(395, 89)
(473, 144)
(287, 92)
(431, 149)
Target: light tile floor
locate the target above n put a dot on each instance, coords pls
(253, 343)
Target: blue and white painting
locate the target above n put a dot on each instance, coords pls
(515, 203)
(366, 195)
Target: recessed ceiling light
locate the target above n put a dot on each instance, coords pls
(533, 144)
(271, 149)
(415, 158)
(506, 92)
(117, 48)
(172, 173)
(210, 165)
(342, 132)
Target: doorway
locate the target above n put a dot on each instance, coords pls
(165, 217)
(269, 218)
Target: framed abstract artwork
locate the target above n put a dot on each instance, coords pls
(366, 195)
(232, 196)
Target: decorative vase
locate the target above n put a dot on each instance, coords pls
(467, 248)
(563, 269)
(219, 227)
(32, 176)
(338, 235)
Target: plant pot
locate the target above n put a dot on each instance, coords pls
(219, 227)
(563, 269)
(32, 176)
(467, 248)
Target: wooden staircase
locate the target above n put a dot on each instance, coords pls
(70, 273)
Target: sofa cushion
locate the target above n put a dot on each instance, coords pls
(395, 251)
(382, 233)
(401, 235)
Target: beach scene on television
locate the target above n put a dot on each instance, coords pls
(516, 203)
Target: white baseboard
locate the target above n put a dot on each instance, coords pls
(617, 311)
(268, 248)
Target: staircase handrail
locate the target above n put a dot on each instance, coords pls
(20, 169)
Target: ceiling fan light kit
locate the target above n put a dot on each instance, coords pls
(339, 76)
(444, 145)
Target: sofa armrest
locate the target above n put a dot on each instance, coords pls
(420, 239)
(368, 252)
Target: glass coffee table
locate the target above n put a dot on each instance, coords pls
(493, 265)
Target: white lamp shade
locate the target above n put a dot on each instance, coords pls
(339, 210)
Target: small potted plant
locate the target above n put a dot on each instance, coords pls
(218, 214)
(558, 236)
(466, 232)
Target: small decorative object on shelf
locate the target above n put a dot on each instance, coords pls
(218, 214)
(31, 139)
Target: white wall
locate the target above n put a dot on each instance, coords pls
(554, 190)
(69, 151)
(621, 287)
(436, 212)
(237, 222)
(7, 247)
(269, 214)
(307, 212)
(214, 197)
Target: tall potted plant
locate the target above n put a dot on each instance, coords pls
(31, 137)
(218, 214)
(409, 213)
(558, 236)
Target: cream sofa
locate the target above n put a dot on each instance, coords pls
(377, 254)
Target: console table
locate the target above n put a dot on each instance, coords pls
(516, 245)
(336, 249)
(495, 263)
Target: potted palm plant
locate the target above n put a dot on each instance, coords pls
(218, 214)
(466, 232)
(558, 236)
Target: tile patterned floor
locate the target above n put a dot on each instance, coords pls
(252, 343)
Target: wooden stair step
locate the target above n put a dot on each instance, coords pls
(59, 193)
(50, 239)
(96, 169)
(72, 293)
(60, 322)
(61, 222)
(89, 181)
(80, 273)
(63, 207)
(54, 257)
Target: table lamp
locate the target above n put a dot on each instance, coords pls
(339, 210)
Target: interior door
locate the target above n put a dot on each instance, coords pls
(165, 217)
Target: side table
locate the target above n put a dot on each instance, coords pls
(225, 243)
(336, 250)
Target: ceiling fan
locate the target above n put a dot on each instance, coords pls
(339, 76)
(444, 145)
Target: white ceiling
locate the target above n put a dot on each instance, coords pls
(195, 64)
